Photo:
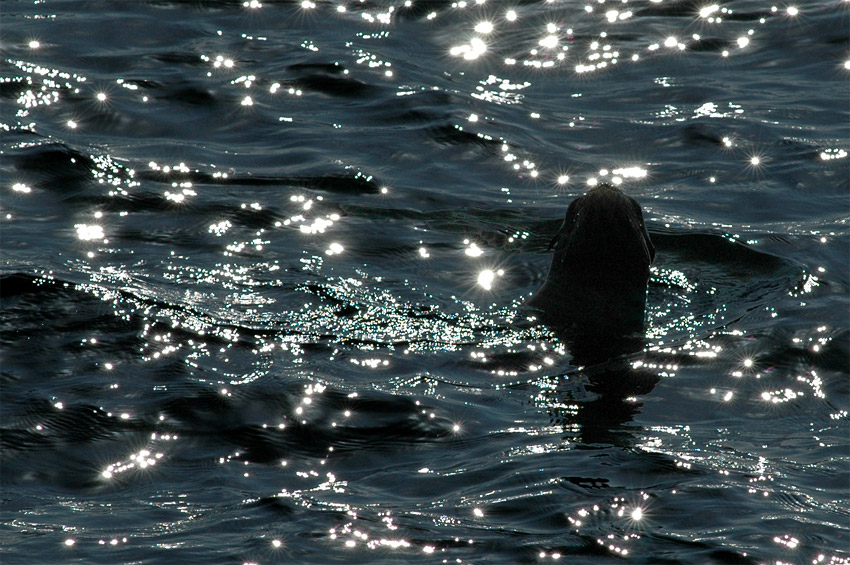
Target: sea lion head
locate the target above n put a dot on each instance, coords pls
(597, 281)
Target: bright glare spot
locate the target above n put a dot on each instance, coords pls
(21, 187)
(748, 363)
(478, 47)
(247, 101)
(307, 5)
(485, 279)
(88, 232)
(473, 118)
(631, 172)
(671, 42)
(829, 154)
(510, 15)
(101, 96)
(637, 514)
(728, 396)
(484, 27)
(847, 64)
(755, 161)
(549, 42)
(793, 11)
(563, 179)
(473, 250)
(69, 542)
(708, 10)
(35, 44)
(71, 124)
(473, 50)
(478, 513)
(277, 543)
(335, 248)
(743, 42)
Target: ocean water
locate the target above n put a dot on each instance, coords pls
(263, 265)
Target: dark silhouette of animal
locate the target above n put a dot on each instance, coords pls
(595, 293)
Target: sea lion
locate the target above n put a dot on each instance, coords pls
(596, 287)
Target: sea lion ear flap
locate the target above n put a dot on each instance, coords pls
(568, 224)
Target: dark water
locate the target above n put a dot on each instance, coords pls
(243, 311)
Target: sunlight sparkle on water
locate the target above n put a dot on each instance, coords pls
(473, 250)
(88, 232)
(830, 154)
(631, 172)
(549, 42)
(486, 278)
(708, 10)
(474, 49)
(484, 27)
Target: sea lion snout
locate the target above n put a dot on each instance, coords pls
(597, 281)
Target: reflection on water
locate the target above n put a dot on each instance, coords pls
(265, 269)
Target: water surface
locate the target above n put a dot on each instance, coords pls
(263, 266)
